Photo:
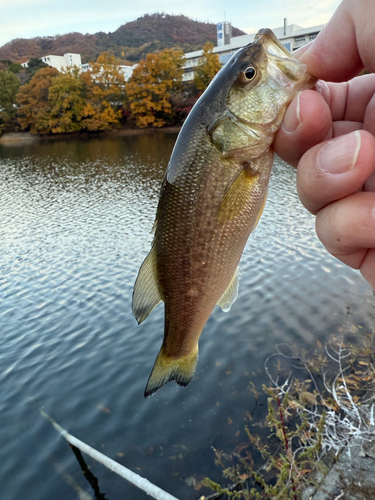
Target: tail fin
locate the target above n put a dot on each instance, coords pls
(166, 369)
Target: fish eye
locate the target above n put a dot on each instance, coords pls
(248, 74)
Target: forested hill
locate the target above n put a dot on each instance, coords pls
(130, 42)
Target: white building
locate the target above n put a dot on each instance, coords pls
(291, 36)
(223, 33)
(60, 62)
(69, 60)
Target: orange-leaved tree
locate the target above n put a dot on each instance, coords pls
(153, 82)
(34, 105)
(209, 65)
(105, 93)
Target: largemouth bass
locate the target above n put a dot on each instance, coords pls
(212, 197)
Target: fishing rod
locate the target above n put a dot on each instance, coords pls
(114, 466)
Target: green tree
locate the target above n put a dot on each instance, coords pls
(6, 62)
(9, 85)
(15, 68)
(67, 102)
(152, 85)
(33, 66)
(105, 93)
(33, 99)
(209, 65)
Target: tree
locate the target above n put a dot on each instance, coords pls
(34, 105)
(9, 85)
(150, 88)
(209, 65)
(6, 62)
(33, 66)
(105, 92)
(15, 68)
(67, 102)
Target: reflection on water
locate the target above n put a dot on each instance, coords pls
(75, 221)
(93, 481)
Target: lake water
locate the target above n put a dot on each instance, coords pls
(75, 221)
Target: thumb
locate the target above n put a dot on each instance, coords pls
(335, 169)
(307, 122)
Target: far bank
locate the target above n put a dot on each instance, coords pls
(14, 138)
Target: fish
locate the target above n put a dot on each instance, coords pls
(211, 199)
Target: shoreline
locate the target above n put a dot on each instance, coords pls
(15, 138)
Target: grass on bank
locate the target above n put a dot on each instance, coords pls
(315, 409)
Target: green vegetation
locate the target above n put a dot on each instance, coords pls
(9, 85)
(33, 66)
(311, 418)
(67, 103)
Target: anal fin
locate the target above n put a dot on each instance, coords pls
(230, 294)
(146, 295)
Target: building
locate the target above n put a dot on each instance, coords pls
(69, 60)
(291, 36)
(224, 33)
(60, 62)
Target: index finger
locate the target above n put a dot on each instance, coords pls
(345, 46)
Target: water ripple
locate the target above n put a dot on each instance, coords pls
(75, 221)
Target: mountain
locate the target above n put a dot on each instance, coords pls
(130, 42)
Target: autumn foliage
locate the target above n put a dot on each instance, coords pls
(154, 81)
(67, 101)
(209, 65)
(131, 41)
(98, 99)
(105, 93)
(33, 100)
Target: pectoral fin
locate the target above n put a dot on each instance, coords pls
(146, 295)
(230, 294)
(238, 195)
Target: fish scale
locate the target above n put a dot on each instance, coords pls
(212, 197)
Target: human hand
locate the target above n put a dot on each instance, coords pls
(330, 135)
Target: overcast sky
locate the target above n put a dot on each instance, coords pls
(29, 18)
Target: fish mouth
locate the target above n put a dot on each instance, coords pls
(283, 68)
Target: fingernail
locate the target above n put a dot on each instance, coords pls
(323, 89)
(292, 118)
(340, 155)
